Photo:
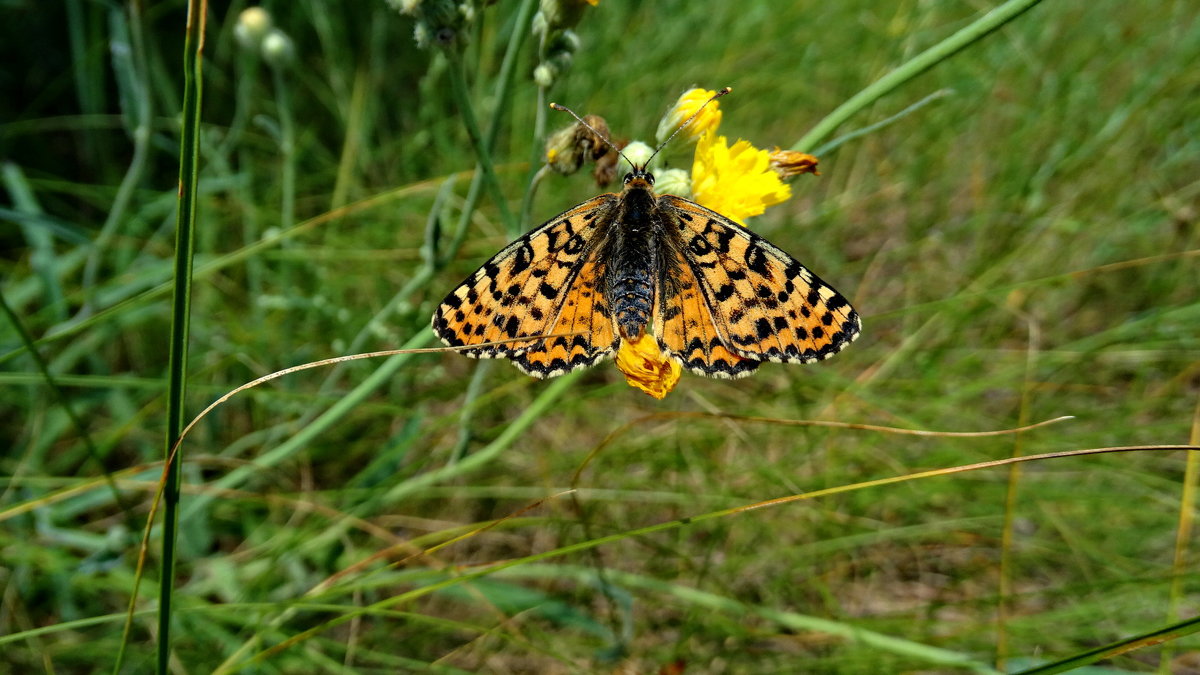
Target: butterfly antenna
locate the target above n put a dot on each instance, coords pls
(688, 121)
(563, 108)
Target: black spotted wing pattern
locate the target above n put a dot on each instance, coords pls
(548, 282)
(762, 304)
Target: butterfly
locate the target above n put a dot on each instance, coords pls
(717, 298)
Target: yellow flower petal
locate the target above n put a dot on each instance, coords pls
(736, 181)
(687, 105)
(647, 367)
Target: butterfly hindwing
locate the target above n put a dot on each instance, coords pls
(685, 326)
(583, 311)
(763, 303)
(545, 283)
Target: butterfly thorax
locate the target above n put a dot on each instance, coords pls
(633, 260)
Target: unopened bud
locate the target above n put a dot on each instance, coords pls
(637, 152)
(673, 182)
(277, 48)
(253, 24)
(788, 163)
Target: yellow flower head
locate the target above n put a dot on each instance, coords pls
(736, 181)
(647, 367)
(687, 105)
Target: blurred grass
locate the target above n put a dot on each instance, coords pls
(1023, 248)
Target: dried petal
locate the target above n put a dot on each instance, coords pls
(647, 366)
(788, 163)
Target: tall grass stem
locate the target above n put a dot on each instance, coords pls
(132, 75)
(185, 241)
(976, 31)
(483, 154)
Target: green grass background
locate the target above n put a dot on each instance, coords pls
(1022, 248)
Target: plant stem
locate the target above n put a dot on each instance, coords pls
(1183, 535)
(528, 416)
(458, 85)
(138, 82)
(301, 439)
(185, 241)
(1154, 637)
(287, 147)
(512, 226)
(92, 451)
(976, 31)
(536, 167)
(859, 133)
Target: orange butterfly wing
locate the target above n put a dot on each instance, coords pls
(545, 283)
(685, 327)
(754, 301)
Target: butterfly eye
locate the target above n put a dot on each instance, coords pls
(628, 177)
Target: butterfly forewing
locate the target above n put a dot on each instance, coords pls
(545, 283)
(764, 304)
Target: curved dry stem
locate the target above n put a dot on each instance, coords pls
(172, 455)
(612, 436)
(484, 569)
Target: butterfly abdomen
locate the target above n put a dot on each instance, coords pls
(631, 295)
(631, 274)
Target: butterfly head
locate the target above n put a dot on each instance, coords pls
(639, 178)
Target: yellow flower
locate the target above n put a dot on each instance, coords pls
(687, 105)
(736, 181)
(647, 366)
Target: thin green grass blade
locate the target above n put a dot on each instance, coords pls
(731, 607)
(236, 662)
(217, 264)
(533, 412)
(42, 258)
(1154, 637)
(48, 378)
(483, 154)
(1183, 533)
(129, 66)
(185, 237)
(323, 422)
(872, 128)
(976, 31)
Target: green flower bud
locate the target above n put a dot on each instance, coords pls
(673, 182)
(545, 74)
(637, 152)
(277, 48)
